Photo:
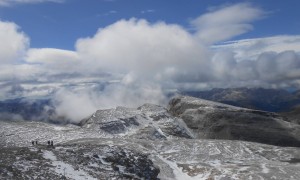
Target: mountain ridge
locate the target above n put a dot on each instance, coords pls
(152, 142)
(273, 100)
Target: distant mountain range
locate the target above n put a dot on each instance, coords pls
(273, 100)
(29, 109)
(23, 107)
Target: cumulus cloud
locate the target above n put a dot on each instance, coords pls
(13, 2)
(150, 51)
(226, 22)
(131, 62)
(13, 46)
(269, 69)
(13, 43)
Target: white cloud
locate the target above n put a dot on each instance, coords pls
(77, 104)
(133, 61)
(13, 43)
(111, 12)
(54, 60)
(148, 11)
(12, 2)
(225, 23)
(50, 56)
(250, 49)
(150, 51)
(270, 69)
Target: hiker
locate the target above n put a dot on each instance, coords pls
(36, 143)
(51, 143)
(48, 143)
(32, 142)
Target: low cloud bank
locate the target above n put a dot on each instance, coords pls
(80, 103)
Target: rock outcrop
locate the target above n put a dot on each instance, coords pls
(213, 120)
(146, 122)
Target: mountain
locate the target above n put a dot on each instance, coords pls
(293, 115)
(30, 110)
(24, 108)
(190, 139)
(273, 100)
(213, 120)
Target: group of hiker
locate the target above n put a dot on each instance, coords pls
(50, 143)
(34, 142)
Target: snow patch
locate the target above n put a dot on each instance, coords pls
(49, 155)
(178, 173)
(66, 169)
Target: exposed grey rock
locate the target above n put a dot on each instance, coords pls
(132, 164)
(148, 121)
(293, 115)
(213, 120)
(72, 161)
(148, 132)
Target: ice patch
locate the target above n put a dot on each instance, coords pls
(59, 128)
(49, 155)
(160, 131)
(68, 171)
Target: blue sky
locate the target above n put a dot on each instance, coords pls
(59, 25)
(112, 53)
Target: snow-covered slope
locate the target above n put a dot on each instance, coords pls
(145, 143)
(106, 158)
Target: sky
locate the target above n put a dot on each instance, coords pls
(60, 24)
(106, 53)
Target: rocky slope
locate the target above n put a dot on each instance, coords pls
(293, 115)
(212, 120)
(147, 122)
(106, 158)
(152, 142)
